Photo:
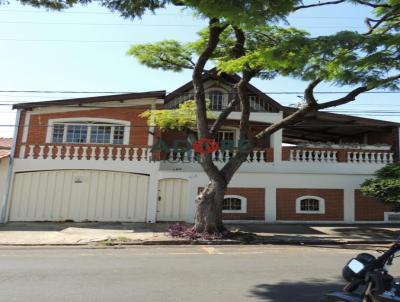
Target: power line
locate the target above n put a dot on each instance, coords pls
(84, 13)
(100, 24)
(73, 41)
(168, 14)
(181, 94)
(157, 14)
(142, 25)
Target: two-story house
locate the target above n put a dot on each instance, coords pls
(90, 159)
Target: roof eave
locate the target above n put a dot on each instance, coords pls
(96, 99)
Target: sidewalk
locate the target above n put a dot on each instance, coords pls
(37, 234)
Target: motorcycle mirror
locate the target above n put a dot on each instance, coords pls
(356, 266)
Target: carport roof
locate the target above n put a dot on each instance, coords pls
(331, 126)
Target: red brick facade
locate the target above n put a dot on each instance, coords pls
(255, 203)
(369, 209)
(286, 204)
(38, 123)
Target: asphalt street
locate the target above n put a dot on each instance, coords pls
(179, 273)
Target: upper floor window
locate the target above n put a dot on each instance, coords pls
(234, 204)
(84, 133)
(258, 104)
(310, 205)
(226, 135)
(216, 98)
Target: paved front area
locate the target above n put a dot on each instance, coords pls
(172, 273)
(138, 233)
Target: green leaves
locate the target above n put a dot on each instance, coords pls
(244, 12)
(386, 185)
(166, 55)
(183, 117)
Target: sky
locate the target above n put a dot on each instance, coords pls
(84, 49)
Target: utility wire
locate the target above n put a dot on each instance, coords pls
(157, 14)
(182, 94)
(141, 25)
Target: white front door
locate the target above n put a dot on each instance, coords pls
(172, 200)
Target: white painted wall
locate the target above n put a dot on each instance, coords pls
(272, 181)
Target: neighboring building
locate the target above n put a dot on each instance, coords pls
(89, 159)
(5, 147)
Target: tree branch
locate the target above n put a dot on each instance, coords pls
(238, 51)
(386, 17)
(318, 4)
(223, 116)
(351, 96)
(215, 30)
(309, 92)
(312, 107)
(197, 75)
(374, 5)
(184, 66)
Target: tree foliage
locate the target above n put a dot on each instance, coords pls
(386, 185)
(181, 118)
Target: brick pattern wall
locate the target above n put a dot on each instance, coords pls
(286, 204)
(38, 123)
(255, 203)
(369, 209)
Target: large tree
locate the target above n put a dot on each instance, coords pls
(260, 49)
(241, 37)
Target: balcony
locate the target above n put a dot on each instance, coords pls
(140, 159)
(323, 156)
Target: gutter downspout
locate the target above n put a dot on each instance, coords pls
(4, 205)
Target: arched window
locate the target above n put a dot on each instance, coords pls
(216, 98)
(234, 204)
(310, 205)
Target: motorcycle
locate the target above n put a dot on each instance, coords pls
(368, 279)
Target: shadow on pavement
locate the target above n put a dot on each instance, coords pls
(367, 232)
(287, 291)
(60, 226)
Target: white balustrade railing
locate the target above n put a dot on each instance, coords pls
(128, 153)
(320, 156)
(370, 157)
(93, 152)
(255, 156)
(334, 156)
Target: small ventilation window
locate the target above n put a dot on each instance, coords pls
(234, 204)
(310, 205)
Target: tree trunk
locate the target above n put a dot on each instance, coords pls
(209, 208)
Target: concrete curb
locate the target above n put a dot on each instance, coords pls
(105, 244)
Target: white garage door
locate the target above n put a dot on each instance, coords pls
(79, 195)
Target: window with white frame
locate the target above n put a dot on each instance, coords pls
(85, 133)
(226, 135)
(234, 204)
(216, 98)
(310, 205)
(258, 104)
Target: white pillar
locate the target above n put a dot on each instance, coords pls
(270, 204)
(191, 202)
(152, 198)
(276, 144)
(349, 205)
(152, 130)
